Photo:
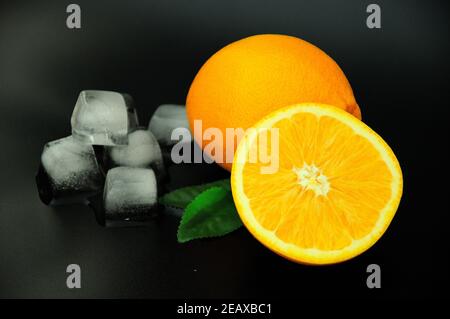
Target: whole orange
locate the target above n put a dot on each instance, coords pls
(252, 77)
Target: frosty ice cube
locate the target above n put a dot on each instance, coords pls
(69, 172)
(142, 151)
(130, 196)
(166, 118)
(103, 118)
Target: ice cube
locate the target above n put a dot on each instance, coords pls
(69, 172)
(166, 118)
(142, 151)
(130, 196)
(103, 118)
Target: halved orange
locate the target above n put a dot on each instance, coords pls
(335, 191)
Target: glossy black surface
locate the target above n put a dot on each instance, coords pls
(152, 50)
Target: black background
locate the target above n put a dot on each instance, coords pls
(152, 50)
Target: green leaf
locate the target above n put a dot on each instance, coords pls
(210, 214)
(181, 197)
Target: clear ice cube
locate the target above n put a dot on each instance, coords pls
(166, 118)
(142, 151)
(130, 196)
(103, 118)
(69, 172)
